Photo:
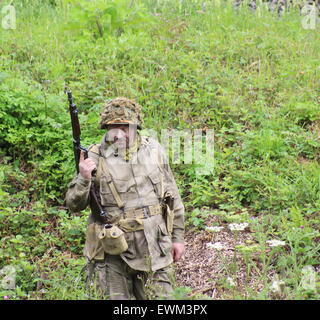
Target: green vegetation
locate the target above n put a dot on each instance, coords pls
(253, 78)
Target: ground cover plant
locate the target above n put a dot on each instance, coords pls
(253, 77)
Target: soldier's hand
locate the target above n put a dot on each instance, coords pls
(86, 166)
(177, 251)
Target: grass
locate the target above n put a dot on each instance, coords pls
(253, 78)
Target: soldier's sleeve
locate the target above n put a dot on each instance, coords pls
(178, 209)
(77, 196)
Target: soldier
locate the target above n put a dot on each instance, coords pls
(132, 179)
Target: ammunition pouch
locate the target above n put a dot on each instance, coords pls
(113, 240)
(130, 225)
(168, 216)
(133, 219)
(168, 205)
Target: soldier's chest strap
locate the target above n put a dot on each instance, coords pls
(103, 169)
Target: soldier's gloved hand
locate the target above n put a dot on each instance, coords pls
(86, 166)
(177, 250)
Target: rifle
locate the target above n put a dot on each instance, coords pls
(101, 215)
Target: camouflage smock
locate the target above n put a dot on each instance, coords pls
(139, 182)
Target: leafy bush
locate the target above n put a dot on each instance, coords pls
(107, 18)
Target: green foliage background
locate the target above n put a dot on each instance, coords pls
(253, 78)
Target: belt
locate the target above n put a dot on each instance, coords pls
(143, 213)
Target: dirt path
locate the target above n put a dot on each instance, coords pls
(209, 271)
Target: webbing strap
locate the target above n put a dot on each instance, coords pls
(161, 187)
(102, 167)
(111, 184)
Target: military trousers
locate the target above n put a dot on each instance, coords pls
(114, 279)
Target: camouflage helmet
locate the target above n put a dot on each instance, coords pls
(121, 111)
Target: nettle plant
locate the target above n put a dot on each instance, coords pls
(101, 18)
